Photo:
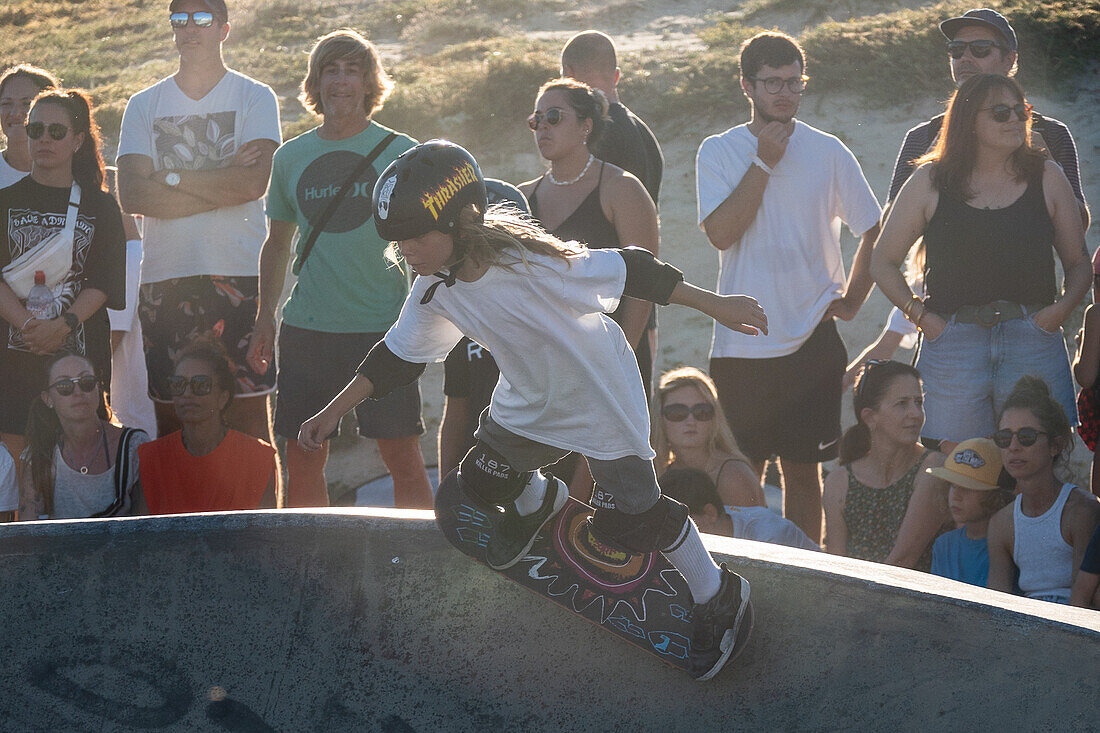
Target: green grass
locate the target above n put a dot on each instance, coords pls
(469, 72)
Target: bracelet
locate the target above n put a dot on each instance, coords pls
(761, 164)
(26, 322)
(907, 309)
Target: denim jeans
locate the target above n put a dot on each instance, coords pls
(969, 371)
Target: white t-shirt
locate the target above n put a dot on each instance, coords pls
(179, 133)
(129, 375)
(789, 258)
(8, 176)
(9, 488)
(568, 378)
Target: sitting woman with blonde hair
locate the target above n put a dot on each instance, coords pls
(692, 433)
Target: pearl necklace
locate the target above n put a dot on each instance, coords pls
(571, 181)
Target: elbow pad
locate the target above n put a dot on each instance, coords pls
(647, 278)
(387, 371)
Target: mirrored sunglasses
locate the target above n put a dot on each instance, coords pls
(200, 385)
(1027, 436)
(553, 116)
(201, 18)
(978, 49)
(1001, 112)
(56, 130)
(677, 412)
(66, 386)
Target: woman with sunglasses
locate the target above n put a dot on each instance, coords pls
(19, 85)
(993, 211)
(692, 433)
(1044, 533)
(586, 200)
(38, 215)
(880, 503)
(206, 466)
(78, 464)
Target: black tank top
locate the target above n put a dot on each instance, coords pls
(586, 224)
(977, 256)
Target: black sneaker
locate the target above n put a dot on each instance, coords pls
(513, 534)
(721, 626)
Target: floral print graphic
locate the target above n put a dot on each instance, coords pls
(195, 142)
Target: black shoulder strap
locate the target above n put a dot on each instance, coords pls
(317, 225)
(121, 473)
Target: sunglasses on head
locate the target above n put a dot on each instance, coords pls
(552, 116)
(978, 49)
(56, 130)
(1001, 112)
(676, 412)
(863, 369)
(1027, 436)
(200, 385)
(67, 385)
(201, 18)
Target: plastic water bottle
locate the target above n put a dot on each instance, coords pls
(40, 301)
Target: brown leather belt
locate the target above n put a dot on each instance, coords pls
(990, 314)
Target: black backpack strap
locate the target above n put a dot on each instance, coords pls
(317, 225)
(121, 473)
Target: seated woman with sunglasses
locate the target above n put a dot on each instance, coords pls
(880, 503)
(83, 247)
(1044, 533)
(993, 212)
(77, 463)
(206, 466)
(692, 433)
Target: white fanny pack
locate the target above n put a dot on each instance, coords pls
(53, 255)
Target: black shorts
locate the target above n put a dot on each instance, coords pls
(313, 366)
(787, 405)
(173, 312)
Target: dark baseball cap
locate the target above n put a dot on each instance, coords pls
(217, 7)
(980, 16)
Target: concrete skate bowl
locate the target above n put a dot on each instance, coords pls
(366, 620)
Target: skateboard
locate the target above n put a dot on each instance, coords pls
(642, 599)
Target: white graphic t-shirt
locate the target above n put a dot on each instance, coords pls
(181, 133)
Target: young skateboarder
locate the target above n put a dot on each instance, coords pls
(569, 380)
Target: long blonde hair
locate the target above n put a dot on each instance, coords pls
(502, 238)
(721, 440)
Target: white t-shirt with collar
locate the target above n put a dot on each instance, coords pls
(789, 258)
(568, 378)
(181, 133)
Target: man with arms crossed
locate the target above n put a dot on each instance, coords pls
(194, 159)
(347, 294)
(772, 194)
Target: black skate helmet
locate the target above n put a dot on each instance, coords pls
(425, 189)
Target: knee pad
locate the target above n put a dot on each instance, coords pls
(487, 475)
(657, 528)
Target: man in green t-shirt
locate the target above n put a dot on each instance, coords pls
(347, 294)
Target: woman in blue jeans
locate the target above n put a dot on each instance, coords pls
(993, 211)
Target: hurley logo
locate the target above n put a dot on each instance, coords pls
(969, 458)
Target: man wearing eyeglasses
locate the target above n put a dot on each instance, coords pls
(981, 41)
(194, 159)
(772, 195)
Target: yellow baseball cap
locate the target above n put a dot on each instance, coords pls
(974, 464)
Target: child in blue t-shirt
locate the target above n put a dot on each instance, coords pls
(974, 497)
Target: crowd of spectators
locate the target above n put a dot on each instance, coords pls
(145, 382)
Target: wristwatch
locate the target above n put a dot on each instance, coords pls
(71, 321)
(171, 178)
